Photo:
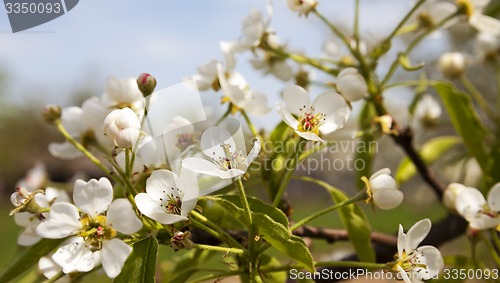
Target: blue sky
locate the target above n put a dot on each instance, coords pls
(168, 39)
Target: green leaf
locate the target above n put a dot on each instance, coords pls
(29, 258)
(466, 122)
(356, 224)
(271, 224)
(431, 151)
(141, 264)
(282, 239)
(366, 117)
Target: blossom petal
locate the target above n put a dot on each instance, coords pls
(468, 202)
(403, 274)
(296, 98)
(417, 234)
(254, 152)
(287, 117)
(384, 171)
(200, 165)
(309, 136)
(64, 150)
(382, 182)
(190, 190)
(282, 70)
(64, 221)
(401, 241)
(388, 198)
(432, 259)
(114, 254)
(485, 23)
(74, 257)
(255, 103)
(211, 141)
(161, 183)
(48, 267)
(494, 197)
(334, 106)
(121, 216)
(93, 197)
(153, 210)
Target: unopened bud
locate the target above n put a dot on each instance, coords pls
(181, 240)
(146, 84)
(452, 64)
(24, 201)
(51, 113)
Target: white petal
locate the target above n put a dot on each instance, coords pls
(334, 106)
(494, 197)
(229, 174)
(64, 221)
(482, 221)
(127, 118)
(71, 118)
(127, 138)
(401, 241)
(255, 103)
(388, 198)
(417, 234)
(153, 210)
(121, 216)
(403, 274)
(199, 165)
(56, 195)
(161, 183)
(433, 260)
(29, 236)
(287, 117)
(114, 254)
(190, 189)
(485, 23)
(296, 98)
(469, 201)
(212, 138)
(64, 150)
(253, 153)
(309, 136)
(382, 182)
(282, 70)
(48, 267)
(23, 219)
(93, 197)
(74, 257)
(384, 171)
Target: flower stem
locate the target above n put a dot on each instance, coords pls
(356, 22)
(413, 44)
(491, 249)
(204, 223)
(219, 249)
(81, 148)
(289, 172)
(128, 166)
(405, 19)
(228, 111)
(360, 196)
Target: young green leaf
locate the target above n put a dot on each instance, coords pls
(141, 264)
(466, 122)
(357, 226)
(29, 258)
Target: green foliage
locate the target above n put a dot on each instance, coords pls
(271, 224)
(357, 225)
(466, 122)
(29, 258)
(141, 264)
(430, 152)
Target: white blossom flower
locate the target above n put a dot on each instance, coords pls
(122, 93)
(452, 64)
(327, 113)
(451, 193)
(237, 91)
(476, 18)
(123, 127)
(207, 77)
(414, 263)
(84, 125)
(168, 198)
(30, 221)
(253, 27)
(383, 190)
(271, 64)
(479, 212)
(428, 110)
(226, 152)
(351, 84)
(303, 7)
(93, 230)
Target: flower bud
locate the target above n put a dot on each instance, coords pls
(351, 84)
(450, 195)
(452, 64)
(428, 110)
(382, 190)
(123, 127)
(181, 240)
(51, 113)
(24, 201)
(146, 84)
(303, 7)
